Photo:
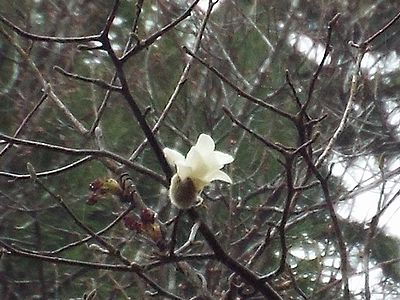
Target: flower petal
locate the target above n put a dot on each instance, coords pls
(199, 166)
(223, 158)
(173, 156)
(205, 144)
(183, 170)
(202, 163)
(218, 175)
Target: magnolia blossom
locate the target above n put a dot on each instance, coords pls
(201, 165)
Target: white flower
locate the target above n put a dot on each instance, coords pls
(201, 166)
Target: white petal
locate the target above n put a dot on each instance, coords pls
(218, 175)
(205, 144)
(196, 161)
(193, 157)
(223, 158)
(173, 156)
(184, 171)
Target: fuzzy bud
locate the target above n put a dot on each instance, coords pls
(183, 194)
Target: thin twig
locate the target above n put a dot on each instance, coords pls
(107, 95)
(98, 82)
(248, 276)
(237, 89)
(344, 263)
(79, 152)
(382, 30)
(151, 39)
(135, 268)
(328, 49)
(254, 134)
(346, 113)
(12, 250)
(88, 238)
(182, 80)
(47, 88)
(112, 250)
(286, 212)
(44, 38)
(50, 172)
(23, 123)
(177, 258)
(133, 105)
(110, 18)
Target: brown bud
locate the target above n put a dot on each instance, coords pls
(183, 194)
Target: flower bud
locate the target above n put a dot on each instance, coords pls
(182, 193)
